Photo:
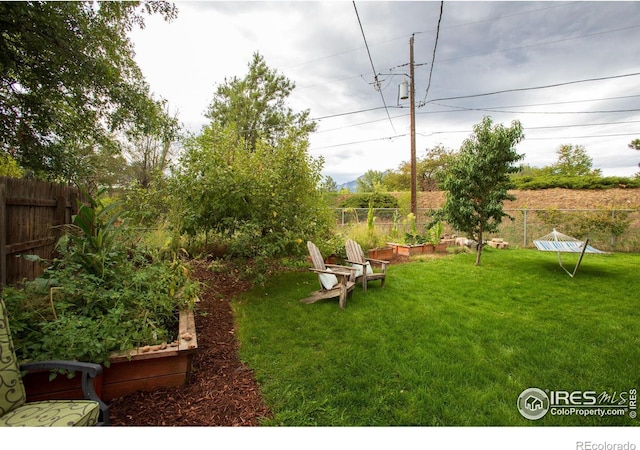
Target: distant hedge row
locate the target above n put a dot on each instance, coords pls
(582, 182)
(378, 200)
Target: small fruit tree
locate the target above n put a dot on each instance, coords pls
(477, 180)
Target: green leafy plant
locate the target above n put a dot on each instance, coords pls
(370, 219)
(103, 294)
(394, 227)
(412, 237)
(434, 233)
(96, 233)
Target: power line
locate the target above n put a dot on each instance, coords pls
(536, 44)
(494, 109)
(548, 127)
(534, 87)
(504, 111)
(558, 103)
(390, 138)
(375, 76)
(581, 137)
(347, 113)
(433, 57)
(490, 19)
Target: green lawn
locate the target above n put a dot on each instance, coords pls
(445, 342)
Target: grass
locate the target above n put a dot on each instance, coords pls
(446, 343)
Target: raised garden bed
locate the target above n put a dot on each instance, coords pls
(409, 250)
(384, 254)
(142, 369)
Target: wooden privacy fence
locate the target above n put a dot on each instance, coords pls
(32, 214)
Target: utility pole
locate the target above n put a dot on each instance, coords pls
(414, 203)
(402, 95)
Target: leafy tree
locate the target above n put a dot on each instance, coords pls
(69, 82)
(428, 171)
(371, 181)
(256, 107)
(152, 146)
(9, 167)
(399, 179)
(432, 168)
(262, 196)
(328, 184)
(573, 161)
(477, 180)
(635, 144)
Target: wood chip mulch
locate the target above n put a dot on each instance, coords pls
(222, 391)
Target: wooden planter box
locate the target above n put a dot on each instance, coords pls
(408, 250)
(384, 254)
(139, 370)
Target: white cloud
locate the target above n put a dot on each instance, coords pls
(483, 47)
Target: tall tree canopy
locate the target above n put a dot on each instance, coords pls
(429, 169)
(371, 181)
(68, 80)
(256, 106)
(477, 180)
(247, 176)
(573, 161)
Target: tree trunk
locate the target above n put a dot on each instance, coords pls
(479, 249)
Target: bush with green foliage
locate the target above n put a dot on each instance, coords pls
(375, 199)
(600, 224)
(576, 182)
(102, 294)
(248, 177)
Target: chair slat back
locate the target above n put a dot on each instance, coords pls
(354, 251)
(316, 256)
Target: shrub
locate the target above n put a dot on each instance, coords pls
(376, 200)
(102, 294)
(568, 182)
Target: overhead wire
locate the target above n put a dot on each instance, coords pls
(490, 19)
(496, 109)
(375, 76)
(534, 87)
(537, 44)
(433, 56)
(504, 111)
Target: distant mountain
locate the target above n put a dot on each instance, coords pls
(350, 185)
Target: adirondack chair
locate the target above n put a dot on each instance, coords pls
(15, 411)
(363, 265)
(335, 280)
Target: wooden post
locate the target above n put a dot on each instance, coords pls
(414, 203)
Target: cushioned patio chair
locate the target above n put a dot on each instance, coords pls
(16, 411)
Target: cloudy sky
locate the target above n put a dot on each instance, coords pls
(568, 71)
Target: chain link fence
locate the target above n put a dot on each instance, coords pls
(607, 229)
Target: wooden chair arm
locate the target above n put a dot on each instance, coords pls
(377, 261)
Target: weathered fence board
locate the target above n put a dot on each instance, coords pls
(32, 214)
